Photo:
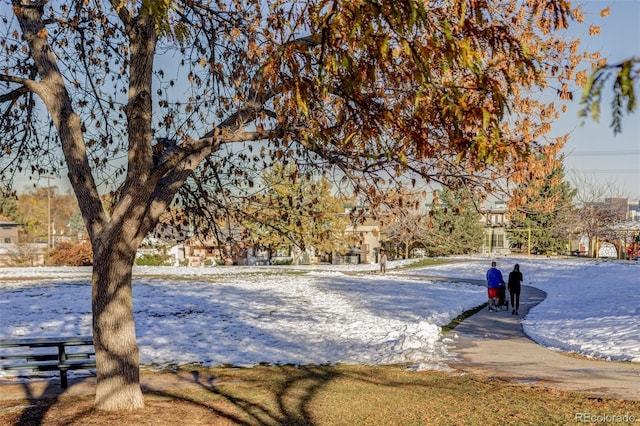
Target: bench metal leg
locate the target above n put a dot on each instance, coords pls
(63, 378)
(62, 357)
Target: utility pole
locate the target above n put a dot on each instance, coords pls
(48, 214)
(49, 228)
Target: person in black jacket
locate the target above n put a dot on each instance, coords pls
(515, 280)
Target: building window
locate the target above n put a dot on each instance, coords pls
(497, 240)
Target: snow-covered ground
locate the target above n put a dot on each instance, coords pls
(330, 314)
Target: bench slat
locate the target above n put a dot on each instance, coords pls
(36, 342)
(53, 365)
(31, 357)
(46, 357)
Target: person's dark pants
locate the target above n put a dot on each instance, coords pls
(515, 299)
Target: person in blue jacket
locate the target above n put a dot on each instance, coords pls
(494, 280)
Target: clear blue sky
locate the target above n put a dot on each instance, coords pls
(593, 151)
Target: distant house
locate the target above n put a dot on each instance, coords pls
(363, 239)
(237, 251)
(176, 254)
(365, 247)
(8, 242)
(198, 252)
(495, 218)
(230, 247)
(613, 209)
(8, 232)
(634, 210)
(619, 229)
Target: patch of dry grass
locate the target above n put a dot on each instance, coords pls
(325, 395)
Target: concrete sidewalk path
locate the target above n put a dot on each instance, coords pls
(494, 344)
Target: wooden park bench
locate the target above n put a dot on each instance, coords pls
(41, 357)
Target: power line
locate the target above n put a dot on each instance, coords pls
(603, 153)
(631, 171)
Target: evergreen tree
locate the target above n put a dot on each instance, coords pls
(8, 206)
(76, 224)
(542, 223)
(455, 226)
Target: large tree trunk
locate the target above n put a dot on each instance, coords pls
(114, 335)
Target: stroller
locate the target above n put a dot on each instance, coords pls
(502, 298)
